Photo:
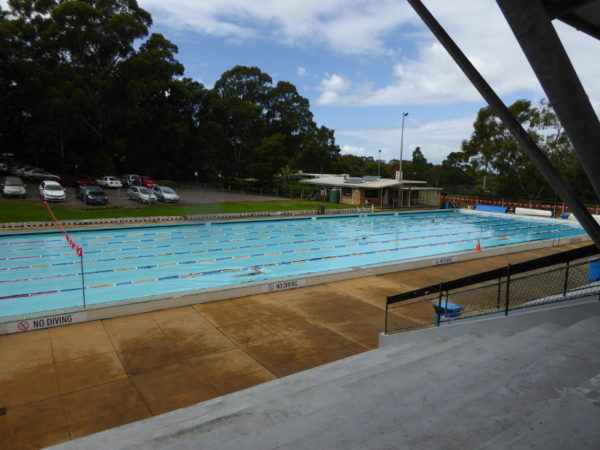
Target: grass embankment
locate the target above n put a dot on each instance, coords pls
(21, 211)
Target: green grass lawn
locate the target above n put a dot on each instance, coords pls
(21, 211)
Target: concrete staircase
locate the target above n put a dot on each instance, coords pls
(515, 383)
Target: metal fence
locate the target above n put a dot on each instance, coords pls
(509, 292)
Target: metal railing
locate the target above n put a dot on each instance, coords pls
(545, 280)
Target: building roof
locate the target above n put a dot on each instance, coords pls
(342, 180)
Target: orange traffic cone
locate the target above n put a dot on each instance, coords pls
(478, 246)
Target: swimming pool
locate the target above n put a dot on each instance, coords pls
(40, 272)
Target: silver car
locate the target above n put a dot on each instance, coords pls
(40, 174)
(165, 194)
(140, 194)
(13, 187)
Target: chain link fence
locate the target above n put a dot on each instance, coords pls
(559, 283)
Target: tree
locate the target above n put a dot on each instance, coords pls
(500, 163)
(269, 159)
(289, 114)
(248, 84)
(154, 109)
(318, 151)
(421, 168)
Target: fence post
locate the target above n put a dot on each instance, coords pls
(507, 290)
(387, 306)
(439, 308)
(499, 292)
(566, 279)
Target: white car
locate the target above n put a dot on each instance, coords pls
(140, 194)
(109, 182)
(165, 194)
(52, 191)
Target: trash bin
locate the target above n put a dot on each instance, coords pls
(334, 196)
(594, 269)
(447, 310)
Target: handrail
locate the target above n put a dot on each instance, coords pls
(526, 266)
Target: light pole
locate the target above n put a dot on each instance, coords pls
(379, 164)
(404, 114)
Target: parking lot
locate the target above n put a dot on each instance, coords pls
(118, 197)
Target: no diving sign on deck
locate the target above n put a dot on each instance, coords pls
(45, 322)
(282, 285)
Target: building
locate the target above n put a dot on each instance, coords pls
(372, 190)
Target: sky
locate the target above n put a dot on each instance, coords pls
(362, 63)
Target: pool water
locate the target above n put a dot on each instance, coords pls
(40, 272)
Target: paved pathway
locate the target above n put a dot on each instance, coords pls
(66, 382)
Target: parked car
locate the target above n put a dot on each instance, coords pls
(52, 191)
(4, 167)
(91, 194)
(78, 180)
(18, 169)
(39, 175)
(140, 194)
(130, 179)
(148, 182)
(109, 182)
(165, 194)
(13, 187)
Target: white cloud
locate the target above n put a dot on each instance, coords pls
(436, 139)
(335, 83)
(301, 71)
(353, 150)
(346, 26)
(431, 77)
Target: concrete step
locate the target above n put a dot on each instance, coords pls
(354, 387)
(305, 395)
(370, 402)
(475, 416)
(576, 412)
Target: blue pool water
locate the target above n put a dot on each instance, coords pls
(40, 271)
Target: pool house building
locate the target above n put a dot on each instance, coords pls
(373, 190)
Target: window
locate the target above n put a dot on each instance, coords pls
(347, 192)
(371, 193)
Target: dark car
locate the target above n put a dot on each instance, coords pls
(91, 195)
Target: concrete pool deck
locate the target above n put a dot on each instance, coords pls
(62, 383)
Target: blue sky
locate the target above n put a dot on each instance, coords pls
(361, 63)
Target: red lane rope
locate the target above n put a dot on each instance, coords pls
(74, 246)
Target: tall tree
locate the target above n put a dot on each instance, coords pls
(421, 168)
(248, 84)
(289, 114)
(503, 166)
(318, 151)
